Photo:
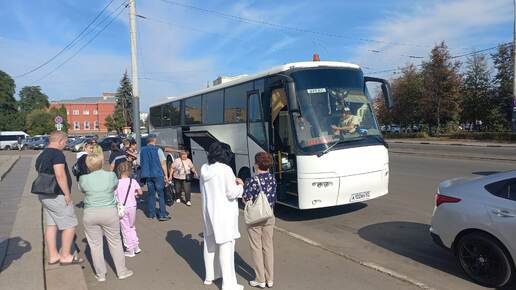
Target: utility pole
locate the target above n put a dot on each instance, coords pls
(134, 74)
(513, 121)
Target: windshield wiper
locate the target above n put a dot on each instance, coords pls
(337, 143)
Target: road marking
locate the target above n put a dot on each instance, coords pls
(369, 265)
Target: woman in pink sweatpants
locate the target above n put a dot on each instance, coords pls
(126, 193)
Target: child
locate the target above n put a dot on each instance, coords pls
(128, 221)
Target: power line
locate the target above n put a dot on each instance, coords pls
(89, 41)
(283, 27)
(70, 44)
(481, 51)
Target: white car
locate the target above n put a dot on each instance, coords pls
(476, 218)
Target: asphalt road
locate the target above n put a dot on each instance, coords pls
(359, 246)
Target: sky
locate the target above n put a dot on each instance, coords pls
(184, 44)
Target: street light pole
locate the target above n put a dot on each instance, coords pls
(134, 74)
(513, 121)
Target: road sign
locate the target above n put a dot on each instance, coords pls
(58, 119)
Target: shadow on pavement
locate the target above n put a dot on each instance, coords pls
(107, 255)
(11, 250)
(413, 241)
(291, 214)
(191, 250)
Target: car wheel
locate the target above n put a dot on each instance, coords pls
(484, 260)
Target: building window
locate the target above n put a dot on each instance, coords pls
(86, 125)
(75, 112)
(76, 125)
(95, 112)
(96, 125)
(67, 112)
(85, 112)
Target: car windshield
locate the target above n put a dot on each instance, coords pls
(333, 107)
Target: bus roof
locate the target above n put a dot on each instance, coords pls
(271, 71)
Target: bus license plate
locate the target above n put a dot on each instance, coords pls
(359, 196)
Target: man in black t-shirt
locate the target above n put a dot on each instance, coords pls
(58, 209)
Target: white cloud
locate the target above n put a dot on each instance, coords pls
(463, 24)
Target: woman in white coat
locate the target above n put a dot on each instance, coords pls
(220, 190)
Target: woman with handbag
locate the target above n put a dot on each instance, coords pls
(181, 172)
(261, 187)
(101, 217)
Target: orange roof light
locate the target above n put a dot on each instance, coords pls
(316, 57)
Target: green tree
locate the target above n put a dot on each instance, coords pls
(115, 122)
(503, 63)
(124, 102)
(32, 98)
(441, 82)
(9, 119)
(407, 93)
(476, 91)
(40, 122)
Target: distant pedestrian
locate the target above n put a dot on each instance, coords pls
(116, 157)
(260, 234)
(127, 191)
(58, 209)
(220, 190)
(101, 217)
(80, 168)
(153, 165)
(182, 172)
(20, 141)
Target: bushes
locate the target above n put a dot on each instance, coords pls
(495, 136)
(406, 135)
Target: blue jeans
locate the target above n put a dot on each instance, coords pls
(155, 184)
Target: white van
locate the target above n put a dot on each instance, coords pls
(9, 139)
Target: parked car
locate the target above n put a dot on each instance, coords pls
(40, 143)
(105, 143)
(476, 218)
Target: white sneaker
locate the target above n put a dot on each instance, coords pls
(100, 278)
(138, 250)
(270, 284)
(129, 254)
(208, 282)
(125, 275)
(254, 283)
(188, 203)
(178, 200)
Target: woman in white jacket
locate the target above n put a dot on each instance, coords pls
(220, 190)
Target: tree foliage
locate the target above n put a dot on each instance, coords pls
(40, 122)
(441, 86)
(124, 103)
(32, 98)
(8, 106)
(503, 95)
(407, 93)
(476, 91)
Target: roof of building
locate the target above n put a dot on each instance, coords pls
(271, 71)
(105, 98)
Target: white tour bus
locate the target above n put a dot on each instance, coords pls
(315, 118)
(9, 139)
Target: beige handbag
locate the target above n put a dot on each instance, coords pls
(258, 210)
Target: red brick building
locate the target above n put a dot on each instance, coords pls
(87, 115)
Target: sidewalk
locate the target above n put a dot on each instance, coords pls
(21, 248)
(455, 142)
(6, 163)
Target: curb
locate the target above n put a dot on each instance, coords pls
(454, 143)
(9, 164)
(468, 157)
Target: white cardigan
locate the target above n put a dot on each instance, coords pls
(219, 202)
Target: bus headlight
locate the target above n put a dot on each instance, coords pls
(322, 184)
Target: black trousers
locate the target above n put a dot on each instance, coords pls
(182, 185)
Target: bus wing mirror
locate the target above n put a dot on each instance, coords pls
(386, 89)
(292, 98)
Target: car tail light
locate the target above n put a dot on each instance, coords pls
(440, 199)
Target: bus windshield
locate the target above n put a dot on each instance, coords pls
(333, 107)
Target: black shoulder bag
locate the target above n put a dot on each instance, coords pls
(44, 184)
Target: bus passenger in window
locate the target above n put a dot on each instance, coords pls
(348, 123)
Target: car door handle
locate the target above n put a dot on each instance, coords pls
(502, 213)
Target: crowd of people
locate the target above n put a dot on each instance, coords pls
(110, 204)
